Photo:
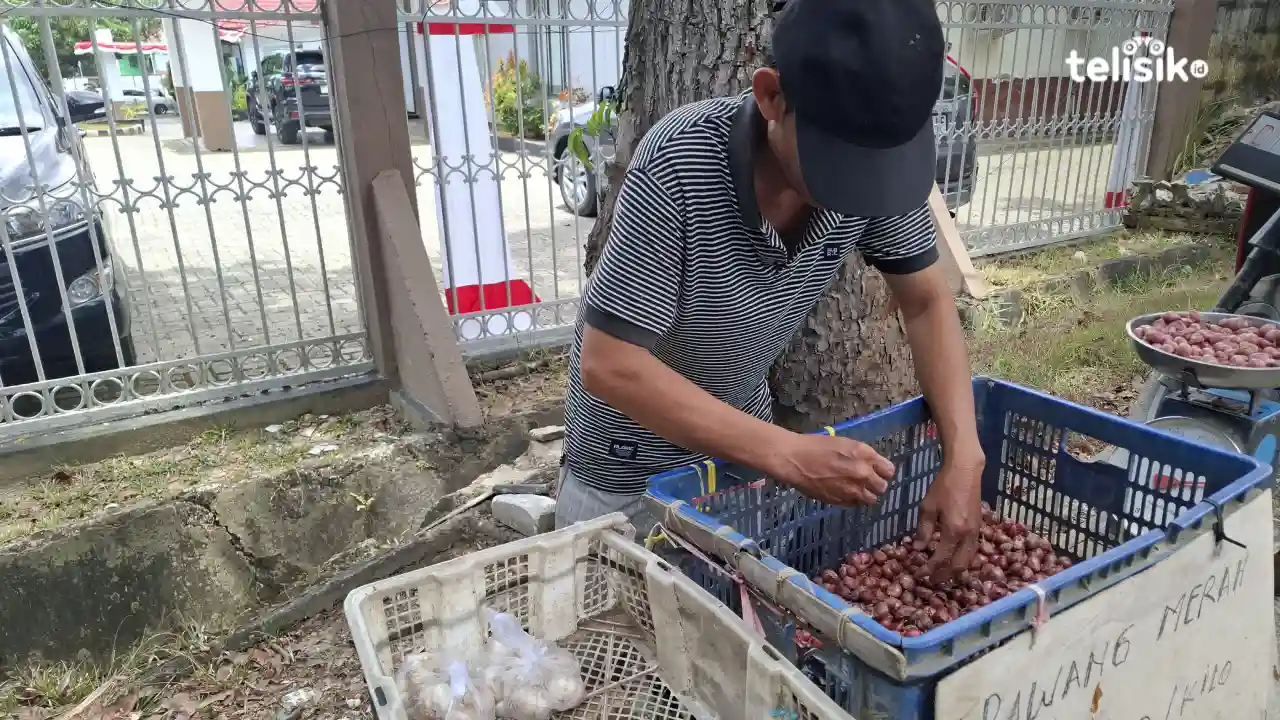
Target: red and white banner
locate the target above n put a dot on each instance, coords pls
(85, 47)
(478, 272)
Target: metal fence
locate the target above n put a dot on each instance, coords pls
(1053, 154)
(505, 205)
(1027, 155)
(162, 253)
(204, 253)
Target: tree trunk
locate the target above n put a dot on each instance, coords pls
(850, 357)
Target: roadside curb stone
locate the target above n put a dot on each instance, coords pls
(1005, 307)
(526, 514)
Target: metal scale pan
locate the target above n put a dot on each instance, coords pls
(1197, 372)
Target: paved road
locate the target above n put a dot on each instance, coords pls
(269, 260)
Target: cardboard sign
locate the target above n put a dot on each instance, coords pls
(952, 252)
(1190, 638)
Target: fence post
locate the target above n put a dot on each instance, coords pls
(412, 341)
(1190, 30)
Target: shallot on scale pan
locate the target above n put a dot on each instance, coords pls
(1212, 349)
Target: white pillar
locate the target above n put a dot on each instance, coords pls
(477, 264)
(1124, 161)
(203, 56)
(175, 58)
(108, 68)
(201, 66)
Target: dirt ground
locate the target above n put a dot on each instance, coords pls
(311, 671)
(1067, 347)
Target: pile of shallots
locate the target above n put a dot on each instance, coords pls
(1234, 341)
(892, 584)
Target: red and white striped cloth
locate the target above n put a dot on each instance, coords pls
(478, 272)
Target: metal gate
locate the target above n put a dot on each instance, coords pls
(540, 68)
(1026, 155)
(1053, 154)
(174, 230)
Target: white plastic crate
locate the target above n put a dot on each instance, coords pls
(652, 644)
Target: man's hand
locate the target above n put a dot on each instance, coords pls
(953, 507)
(835, 470)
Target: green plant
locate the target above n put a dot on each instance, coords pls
(518, 105)
(240, 99)
(1212, 128)
(600, 119)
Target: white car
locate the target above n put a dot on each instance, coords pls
(160, 103)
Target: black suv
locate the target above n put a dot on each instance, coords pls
(274, 92)
(46, 206)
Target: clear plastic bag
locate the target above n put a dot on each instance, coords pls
(441, 686)
(529, 678)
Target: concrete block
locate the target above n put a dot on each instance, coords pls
(102, 585)
(547, 434)
(1114, 272)
(526, 514)
(543, 454)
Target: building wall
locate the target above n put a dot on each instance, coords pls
(1021, 75)
(1030, 103)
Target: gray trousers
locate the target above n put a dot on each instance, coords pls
(576, 502)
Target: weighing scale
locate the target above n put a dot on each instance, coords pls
(1237, 409)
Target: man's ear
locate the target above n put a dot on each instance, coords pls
(767, 89)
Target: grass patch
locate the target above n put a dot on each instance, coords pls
(1031, 267)
(71, 493)
(1077, 351)
(36, 686)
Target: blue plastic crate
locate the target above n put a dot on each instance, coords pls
(1106, 517)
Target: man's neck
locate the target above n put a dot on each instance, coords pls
(779, 203)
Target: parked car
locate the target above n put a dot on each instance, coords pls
(86, 103)
(158, 104)
(581, 189)
(273, 98)
(39, 148)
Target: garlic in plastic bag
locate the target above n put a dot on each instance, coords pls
(442, 687)
(530, 678)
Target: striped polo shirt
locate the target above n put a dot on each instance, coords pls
(696, 275)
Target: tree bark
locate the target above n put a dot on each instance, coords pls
(850, 356)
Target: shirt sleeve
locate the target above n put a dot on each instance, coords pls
(635, 289)
(902, 244)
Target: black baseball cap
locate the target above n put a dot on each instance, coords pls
(862, 77)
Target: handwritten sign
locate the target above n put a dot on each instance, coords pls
(1190, 638)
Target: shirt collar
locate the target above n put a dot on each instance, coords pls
(745, 136)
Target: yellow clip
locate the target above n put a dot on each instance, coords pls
(652, 541)
(711, 476)
(830, 430)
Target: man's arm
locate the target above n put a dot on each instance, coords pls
(630, 379)
(941, 358)
(631, 302)
(645, 389)
(904, 248)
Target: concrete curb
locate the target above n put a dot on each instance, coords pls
(507, 143)
(1005, 308)
(130, 130)
(32, 455)
(330, 593)
(242, 548)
